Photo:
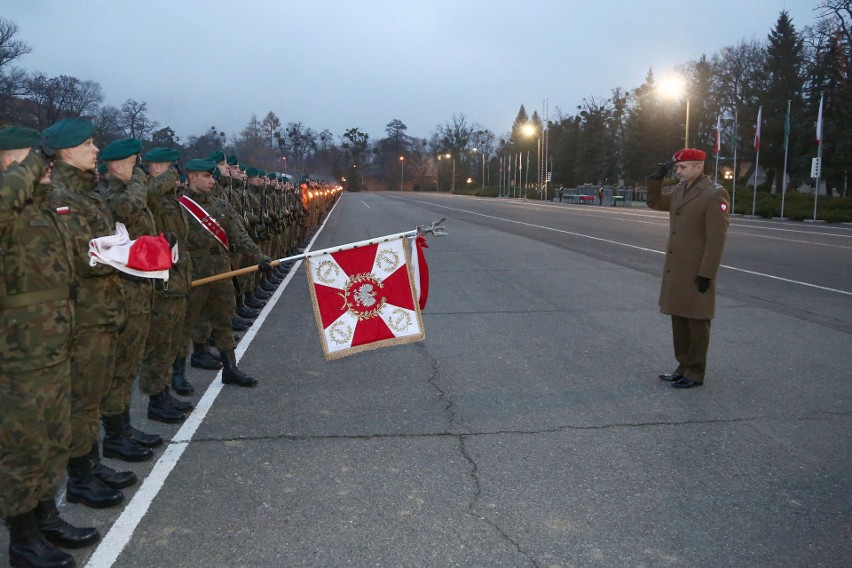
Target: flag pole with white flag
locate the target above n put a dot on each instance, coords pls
(756, 159)
(819, 154)
(717, 145)
(786, 145)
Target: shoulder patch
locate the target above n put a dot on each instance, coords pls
(63, 210)
(723, 207)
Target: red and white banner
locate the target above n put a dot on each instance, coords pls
(145, 257)
(365, 298)
(819, 123)
(757, 130)
(717, 144)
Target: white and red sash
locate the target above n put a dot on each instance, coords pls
(208, 222)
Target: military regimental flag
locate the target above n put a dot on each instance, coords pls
(145, 257)
(365, 298)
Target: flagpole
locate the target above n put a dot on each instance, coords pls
(786, 145)
(434, 229)
(736, 144)
(756, 160)
(717, 148)
(819, 155)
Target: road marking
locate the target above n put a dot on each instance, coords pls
(365, 204)
(609, 241)
(121, 532)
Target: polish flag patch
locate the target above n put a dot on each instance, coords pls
(64, 210)
(724, 207)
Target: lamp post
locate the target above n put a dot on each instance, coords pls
(529, 130)
(401, 173)
(447, 156)
(674, 88)
(482, 180)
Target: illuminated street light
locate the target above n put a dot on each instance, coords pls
(447, 156)
(674, 87)
(401, 172)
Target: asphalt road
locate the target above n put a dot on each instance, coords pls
(529, 428)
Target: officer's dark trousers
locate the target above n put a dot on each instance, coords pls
(691, 340)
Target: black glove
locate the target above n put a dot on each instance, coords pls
(170, 238)
(265, 265)
(702, 283)
(663, 169)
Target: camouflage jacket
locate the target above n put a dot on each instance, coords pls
(208, 256)
(169, 216)
(128, 203)
(84, 214)
(36, 311)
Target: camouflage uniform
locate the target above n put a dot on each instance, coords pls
(209, 257)
(169, 309)
(99, 307)
(36, 315)
(128, 202)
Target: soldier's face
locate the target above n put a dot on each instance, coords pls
(201, 181)
(122, 169)
(82, 157)
(687, 172)
(224, 169)
(9, 157)
(157, 168)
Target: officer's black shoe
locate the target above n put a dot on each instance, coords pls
(671, 377)
(179, 382)
(269, 286)
(118, 445)
(60, 532)
(237, 324)
(245, 321)
(160, 410)
(280, 271)
(202, 359)
(231, 375)
(138, 436)
(246, 312)
(178, 404)
(28, 548)
(252, 302)
(262, 294)
(684, 383)
(83, 487)
(107, 475)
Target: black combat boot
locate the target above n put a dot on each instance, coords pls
(246, 312)
(29, 549)
(237, 324)
(232, 375)
(159, 408)
(262, 294)
(60, 532)
(179, 382)
(203, 359)
(107, 475)
(253, 302)
(269, 286)
(83, 487)
(118, 445)
(138, 436)
(178, 404)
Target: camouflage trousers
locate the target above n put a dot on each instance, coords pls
(216, 302)
(92, 369)
(128, 360)
(163, 344)
(35, 434)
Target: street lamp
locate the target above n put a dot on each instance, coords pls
(529, 130)
(447, 156)
(674, 88)
(401, 172)
(482, 180)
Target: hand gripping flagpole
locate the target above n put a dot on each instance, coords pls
(436, 229)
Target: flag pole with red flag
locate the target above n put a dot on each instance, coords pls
(717, 146)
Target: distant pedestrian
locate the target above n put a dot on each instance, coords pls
(600, 195)
(698, 218)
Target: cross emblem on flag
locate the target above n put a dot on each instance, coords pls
(365, 298)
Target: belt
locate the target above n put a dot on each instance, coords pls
(38, 297)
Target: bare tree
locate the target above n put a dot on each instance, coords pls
(135, 121)
(12, 79)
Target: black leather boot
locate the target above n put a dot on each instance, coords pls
(179, 382)
(238, 324)
(107, 475)
(246, 312)
(118, 445)
(138, 436)
(268, 287)
(59, 531)
(29, 549)
(178, 404)
(202, 359)
(159, 409)
(83, 487)
(251, 301)
(231, 375)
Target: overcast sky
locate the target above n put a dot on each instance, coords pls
(347, 63)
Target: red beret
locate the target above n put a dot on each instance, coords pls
(689, 155)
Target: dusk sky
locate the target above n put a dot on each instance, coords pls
(347, 63)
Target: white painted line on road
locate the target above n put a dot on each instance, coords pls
(121, 532)
(800, 283)
(365, 204)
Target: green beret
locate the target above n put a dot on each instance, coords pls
(160, 155)
(218, 156)
(232, 160)
(201, 165)
(102, 168)
(120, 149)
(18, 137)
(68, 133)
(261, 172)
(242, 167)
(182, 178)
(272, 175)
(252, 171)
